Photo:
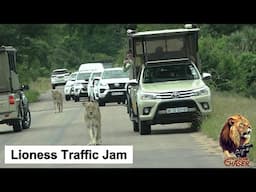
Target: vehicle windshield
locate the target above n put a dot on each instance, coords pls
(112, 74)
(96, 74)
(171, 72)
(72, 77)
(83, 76)
(59, 72)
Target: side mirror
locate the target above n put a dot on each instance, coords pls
(206, 76)
(95, 80)
(130, 84)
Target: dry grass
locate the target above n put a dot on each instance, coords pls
(37, 87)
(225, 105)
(41, 85)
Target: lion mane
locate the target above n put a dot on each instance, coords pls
(231, 136)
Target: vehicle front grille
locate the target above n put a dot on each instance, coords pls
(172, 104)
(116, 85)
(85, 85)
(175, 94)
(162, 117)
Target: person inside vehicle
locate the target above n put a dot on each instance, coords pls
(159, 52)
(128, 62)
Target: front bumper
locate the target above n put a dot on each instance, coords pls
(166, 111)
(113, 95)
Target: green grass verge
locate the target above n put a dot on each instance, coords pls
(41, 85)
(225, 105)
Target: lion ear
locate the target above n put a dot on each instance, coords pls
(231, 121)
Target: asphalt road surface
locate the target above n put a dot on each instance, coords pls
(169, 146)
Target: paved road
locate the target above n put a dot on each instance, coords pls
(168, 146)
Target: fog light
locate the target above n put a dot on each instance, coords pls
(146, 110)
(102, 90)
(205, 105)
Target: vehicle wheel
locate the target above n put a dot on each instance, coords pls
(53, 86)
(144, 128)
(67, 97)
(135, 126)
(196, 125)
(77, 98)
(128, 106)
(101, 103)
(26, 122)
(17, 126)
(123, 102)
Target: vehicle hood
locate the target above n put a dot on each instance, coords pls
(116, 80)
(80, 81)
(172, 86)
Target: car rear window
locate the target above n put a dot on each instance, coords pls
(59, 72)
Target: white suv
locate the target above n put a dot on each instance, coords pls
(69, 86)
(112, 86)
(80, 85)
(59, 77)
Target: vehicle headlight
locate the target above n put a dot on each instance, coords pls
(147, 96)
(77, 85)
(103, 84)
(203, 91)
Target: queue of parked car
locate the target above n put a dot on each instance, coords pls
(94, 82)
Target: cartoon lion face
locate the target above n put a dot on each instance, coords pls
(235, 132)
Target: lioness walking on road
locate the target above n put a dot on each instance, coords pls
(92, 117)
(57, 101)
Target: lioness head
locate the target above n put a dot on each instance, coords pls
(92, 109)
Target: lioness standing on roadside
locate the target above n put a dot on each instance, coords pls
(92, 119)
(57, 101)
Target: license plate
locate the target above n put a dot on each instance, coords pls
(117, 93)
(177, 110)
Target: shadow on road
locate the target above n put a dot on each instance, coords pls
(172, 131)
(7, 132)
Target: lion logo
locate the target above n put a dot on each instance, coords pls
(235, 136)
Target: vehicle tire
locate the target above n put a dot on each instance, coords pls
(101, 103)
(144, 128)
(128, 105)
(196, 125)
(67, 97)
(123, 102)
(135, 126)
(53, 86)
(17, 126)
(197, 121)
(26, 122)
(77, 98)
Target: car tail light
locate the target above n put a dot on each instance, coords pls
(11, 100)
